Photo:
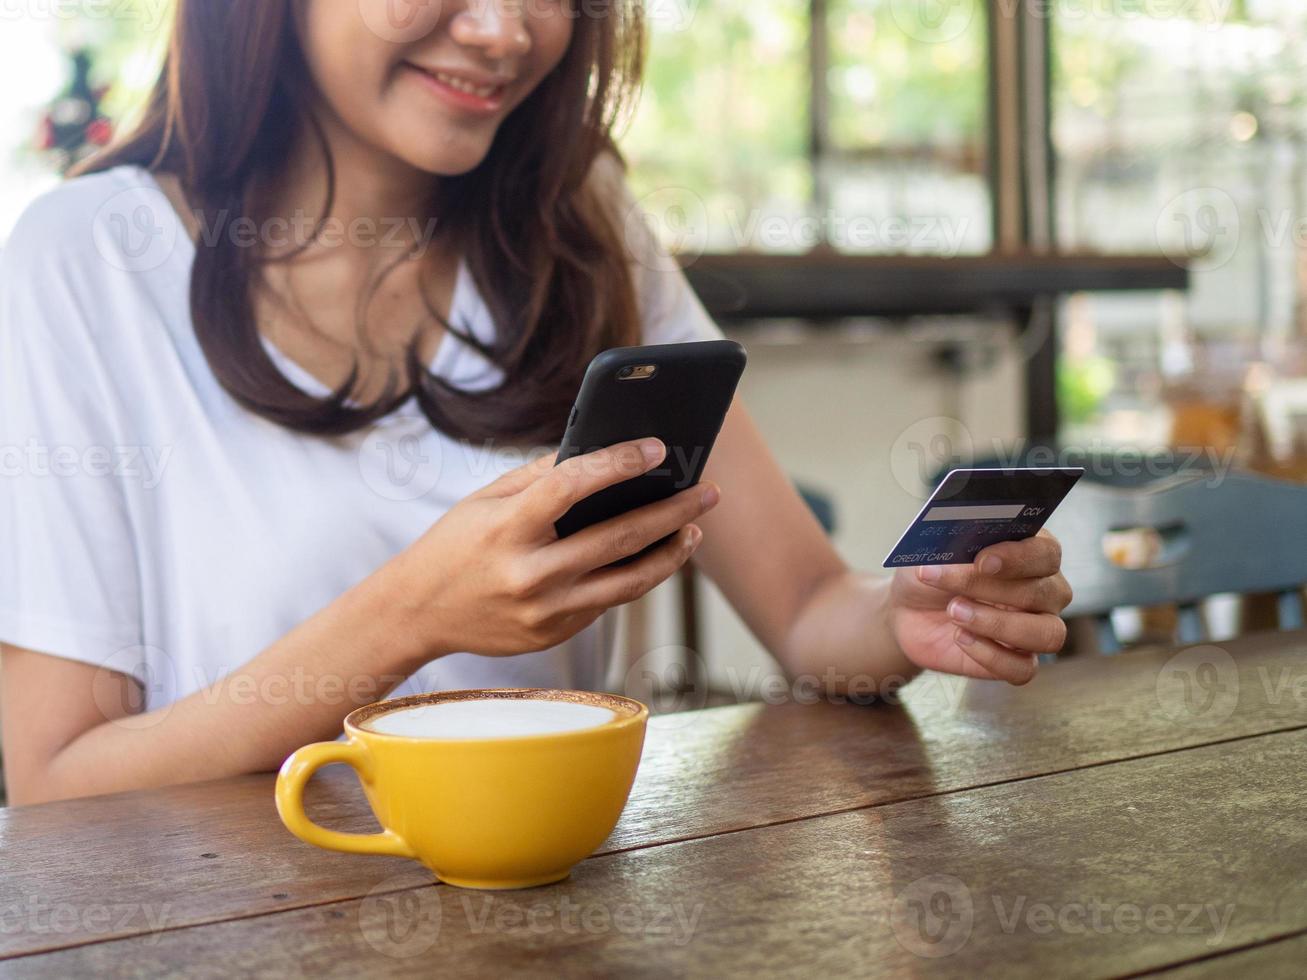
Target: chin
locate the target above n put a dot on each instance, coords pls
(444, 160)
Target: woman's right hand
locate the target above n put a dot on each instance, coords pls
(493, 577)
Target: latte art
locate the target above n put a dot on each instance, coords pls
(490, 718)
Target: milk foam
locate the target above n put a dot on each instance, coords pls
(490, 718)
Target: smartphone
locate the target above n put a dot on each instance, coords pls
(972, 509)
(677, 392)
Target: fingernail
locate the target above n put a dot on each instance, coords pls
(965, 639)
(696, 535)
(930, 573)
(962, 611)
(652, 449)
(991, 564)
(710, 496)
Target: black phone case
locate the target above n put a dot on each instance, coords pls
(684, 404)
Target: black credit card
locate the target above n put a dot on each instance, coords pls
(972, 509)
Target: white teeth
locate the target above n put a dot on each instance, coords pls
(480, 91)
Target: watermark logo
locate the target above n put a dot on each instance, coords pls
(35, 916)
(926, 450)
(145, 702)
(665, 225)
(400, 917)
(400, 21)
(1099, 918)
(1199, 229)
(933, 21)
(933, 916)
(400, 458)
(136, 230)
(671, 15)
(1199, 685)
(151, 15)
(143, 464)
(675, 676)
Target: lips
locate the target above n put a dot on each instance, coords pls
(479, 86)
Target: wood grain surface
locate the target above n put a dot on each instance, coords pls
(795, 830)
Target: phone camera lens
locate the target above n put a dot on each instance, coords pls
(625, 373)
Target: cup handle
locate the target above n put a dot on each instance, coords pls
(295, 774)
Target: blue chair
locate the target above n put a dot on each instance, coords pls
(1205, 534)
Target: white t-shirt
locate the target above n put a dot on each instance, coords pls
(151, 525)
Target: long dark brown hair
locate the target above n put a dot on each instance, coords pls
(541, 239)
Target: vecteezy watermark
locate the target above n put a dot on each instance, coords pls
(1100, 918)
(677, 678)
(401, 458)
(301, 230)
(673, 222)
(299, 686)
(136, 230)
(933, 916)
(676, 922)
(936, 915)
(145, 464)
(1199, 229)
(1199, 686)
(148, 697)
(1210, 13)
(934, 21)
(400, 21)
(406, 21)
(400, 917)
(156, 681)
(1203, 229)
(667, 225)
(35, 916)
(403, 921)
(928, 448)
(149, 14)
(943, 21)
(671, 15)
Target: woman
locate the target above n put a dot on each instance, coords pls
(273, 363)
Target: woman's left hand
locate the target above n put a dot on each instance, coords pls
(988, 619)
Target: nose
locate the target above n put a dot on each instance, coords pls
(497, 27)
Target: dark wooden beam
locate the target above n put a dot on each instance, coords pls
(826, 286)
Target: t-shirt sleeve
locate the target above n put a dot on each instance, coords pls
(671, 311)
(69, 584)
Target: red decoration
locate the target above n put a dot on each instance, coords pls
(99, 132)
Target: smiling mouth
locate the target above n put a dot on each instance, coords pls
(462, 84)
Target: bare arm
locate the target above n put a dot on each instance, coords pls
(71, 729)
(491, 576)
(859, 633)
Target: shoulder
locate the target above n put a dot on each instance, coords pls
(104, 223)
(670, 311)
(82, 260)
(635, 226)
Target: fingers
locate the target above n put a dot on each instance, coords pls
(553, 494)
(610, 587)
(1014, 666)
(1037, 632)
(604, 543)
(1036, 557)
(1050, 594)
(517, 480)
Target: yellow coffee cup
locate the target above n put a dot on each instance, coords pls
(501, 788)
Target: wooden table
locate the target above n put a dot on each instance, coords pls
(1124, 815)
